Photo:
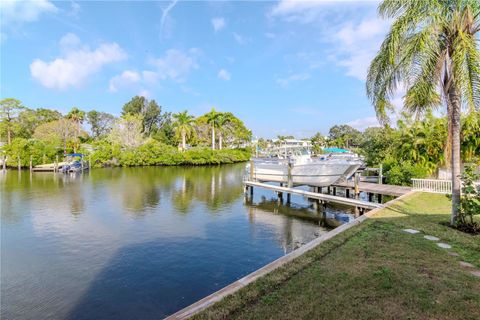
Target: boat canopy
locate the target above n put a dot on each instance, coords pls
(74, 155)
(335, 150)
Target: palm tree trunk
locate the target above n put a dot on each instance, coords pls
(184, 144)
(456, 159)
(220, 141)
(213, 137)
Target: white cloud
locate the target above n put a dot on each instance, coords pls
(242, 40)
(20, 11)
(75, 9)
(363, 123)
(224, 75)
(76, 64)
(218, 23)
(285, 82)
(126, 78)
(176, 64)
(357, 43)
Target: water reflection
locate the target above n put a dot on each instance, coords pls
(152, 240)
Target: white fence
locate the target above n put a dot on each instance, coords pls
(430, 185)
(436, 186)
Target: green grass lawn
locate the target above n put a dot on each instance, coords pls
(372, 271)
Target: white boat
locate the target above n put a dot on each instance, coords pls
(319, 172)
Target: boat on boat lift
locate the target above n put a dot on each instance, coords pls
(304, 169)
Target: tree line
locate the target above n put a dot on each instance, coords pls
(45, 134)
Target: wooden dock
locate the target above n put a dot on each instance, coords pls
(324, 198)
(375, 188)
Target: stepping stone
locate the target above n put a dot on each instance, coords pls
(444, 245)
(412, 231)
(451, 253)
(476, 273)
(466, 264)
(432, 238)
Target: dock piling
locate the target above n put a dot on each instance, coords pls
(380, 174)
(31, 166)
(252, 170)
(19, 164)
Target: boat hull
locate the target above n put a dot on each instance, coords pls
(315, 173)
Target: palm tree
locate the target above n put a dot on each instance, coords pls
(223, 120)
(183, 126)
(76, 116)
(432, 50)
(212, 119)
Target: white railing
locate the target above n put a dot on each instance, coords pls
(431, 185)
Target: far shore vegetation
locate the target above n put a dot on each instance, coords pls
(144, 134)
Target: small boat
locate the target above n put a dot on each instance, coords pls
(73, 164)
(305, 170)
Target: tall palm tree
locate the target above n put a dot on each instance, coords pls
(223, 120)
(76, 116)
(183, 126)
(212, 119)
(432, 50)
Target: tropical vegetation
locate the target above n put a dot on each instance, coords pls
(432, 51)
(142, 135)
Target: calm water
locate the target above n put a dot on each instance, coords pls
(136, 243)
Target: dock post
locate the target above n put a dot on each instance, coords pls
(55, 166)
(357, 182)
(19, 164)
(252, 170)
(31, 167)
(4, 165)
(290, 181)
(380, 174)
(251, 190)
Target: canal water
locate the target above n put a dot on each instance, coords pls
(138, 243)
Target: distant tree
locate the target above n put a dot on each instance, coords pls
(100, 122)
(127, 131)
(212, 120)
(183, 126)
(9, 110)
(318, 141)
(149, 110)
(30, 119)
(344, 136)
(77, 117)
(61, 131)
(223, 121)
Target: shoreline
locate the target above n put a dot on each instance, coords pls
(202, 304)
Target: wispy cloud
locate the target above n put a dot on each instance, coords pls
(286, 81)
(363, 123)
(242, 40)
(176, 64)
(165, 17)
(218, 23)
(224, 75)
(127, 77)
(77, 63)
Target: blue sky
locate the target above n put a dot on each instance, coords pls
(287, 67)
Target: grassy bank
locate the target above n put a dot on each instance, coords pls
(374, 270)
